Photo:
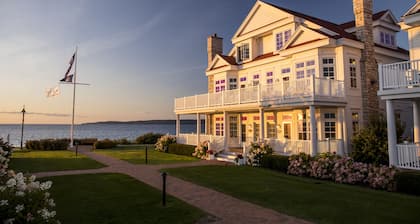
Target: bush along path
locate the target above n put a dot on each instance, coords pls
(226, 208)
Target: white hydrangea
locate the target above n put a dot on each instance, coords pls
(4, 202)
(19, 208)
(11, 182)
(45, 185)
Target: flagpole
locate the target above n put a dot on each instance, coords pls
(74, 101)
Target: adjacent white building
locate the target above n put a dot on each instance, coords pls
(400, 82)
(293, 80)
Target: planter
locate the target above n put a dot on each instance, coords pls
(211, 157)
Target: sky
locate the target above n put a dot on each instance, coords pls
(138, 55)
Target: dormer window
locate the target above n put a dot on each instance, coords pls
(282, 38)
(243, 52)
(387, 39)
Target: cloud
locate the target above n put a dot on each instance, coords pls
(125, 37)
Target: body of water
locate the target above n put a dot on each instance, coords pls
(100, 131)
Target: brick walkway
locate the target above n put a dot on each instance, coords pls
(226, 208)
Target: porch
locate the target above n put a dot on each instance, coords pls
(408, 156)
(297, 91)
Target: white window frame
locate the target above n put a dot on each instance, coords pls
(328, 65)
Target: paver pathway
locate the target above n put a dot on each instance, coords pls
(226, 208)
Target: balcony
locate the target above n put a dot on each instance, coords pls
(399, 80)
(297, 91)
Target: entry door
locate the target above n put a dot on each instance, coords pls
(243, 133)
(287, 130)
(285, 85)
(256, 132)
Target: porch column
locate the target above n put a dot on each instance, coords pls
(392, 134)
(178, 125)
(240, 129)
(262, 126)
(225, 134)
(198, 128)
(341, 133)
(314, 138)
(416, 121)
(206, 125)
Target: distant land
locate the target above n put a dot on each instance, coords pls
(184, 121)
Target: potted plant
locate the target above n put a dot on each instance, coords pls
(210, 154)
(239, 160)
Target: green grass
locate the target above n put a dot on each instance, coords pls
(310, 199)
(115, 198)
(136, 155)
(39, 161)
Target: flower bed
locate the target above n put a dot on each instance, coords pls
(23, 199)
(342, 170)
(256, 151)
(202, 150)
(163, 143)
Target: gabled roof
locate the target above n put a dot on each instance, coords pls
(229, 59)
(375, 17)
(413, 10)
(323, 23)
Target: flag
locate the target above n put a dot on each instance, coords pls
(67, 77)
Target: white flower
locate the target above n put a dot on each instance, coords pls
(32, 178)
(2, 188)
(4, 202)
(19, 208)
(20, 193)
(45, 185)
(9, 221)
(51, 202)
(11, 182)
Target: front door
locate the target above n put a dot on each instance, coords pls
(287, 130)
(243, 133)
(256, 132)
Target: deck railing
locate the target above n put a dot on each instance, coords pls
(297, 90)
(399, 75)
(408, 156)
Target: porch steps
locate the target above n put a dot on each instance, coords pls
(226, 157)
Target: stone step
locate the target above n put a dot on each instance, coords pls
(226, 157)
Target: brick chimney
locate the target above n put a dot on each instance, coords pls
(214, 46)
(368, 66)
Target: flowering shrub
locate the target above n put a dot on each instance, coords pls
(23, 199)
(201, 150)
(256, 151)
(342, 170)
(163, 143)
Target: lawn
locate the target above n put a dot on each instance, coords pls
(115, 198)
(39, 161)
(310, 199)
(136, 155)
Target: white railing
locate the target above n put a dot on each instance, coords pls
(399, 75)
(289, 147)
(408, 156)
(216, 142)
(331, 146)
(298, 90)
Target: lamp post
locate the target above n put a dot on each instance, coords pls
(23, 122)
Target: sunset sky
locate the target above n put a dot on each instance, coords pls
(138, 55)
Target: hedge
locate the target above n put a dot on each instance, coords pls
(47, 144)
(148, 138)
(275, 162)
(181, 149)
(104, 144)
(408, 182)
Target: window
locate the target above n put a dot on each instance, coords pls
(300, 74)
(328, 68)
(243, 79)
(310, 63)
(256, 132)
(232, 83)
(219, 126)
(300, 65)
(329, 125)
(271, 130)
(256, 80)
(220, 85)
(243, 52)
(303, 128)
(353, 77)
(285, 70)
(387, 39)
(300, 69)
(310, 72)
(355, 122)
(269, 77)
(282, 38)
(233, 127)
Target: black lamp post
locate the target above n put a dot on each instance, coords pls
(23, 122)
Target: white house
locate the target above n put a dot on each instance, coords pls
(400, 82)
(301, 83)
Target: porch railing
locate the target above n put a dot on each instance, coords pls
(399, 75)
(216, 142)
(408, 156)
(331, 146)
(296, 90)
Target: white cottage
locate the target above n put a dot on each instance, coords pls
(301, 83)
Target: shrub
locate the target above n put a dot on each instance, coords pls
(275, 162)
(322, 166)
(181, 149)
(104, 144)
(47, 144)
(370, 145)
(23, 199)
(122, 141)
(200, 150)
(6, 147)
(299, 165)
(163, 143)
(85, 141)
(408, 182)
(148, 138)
(256, 151)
